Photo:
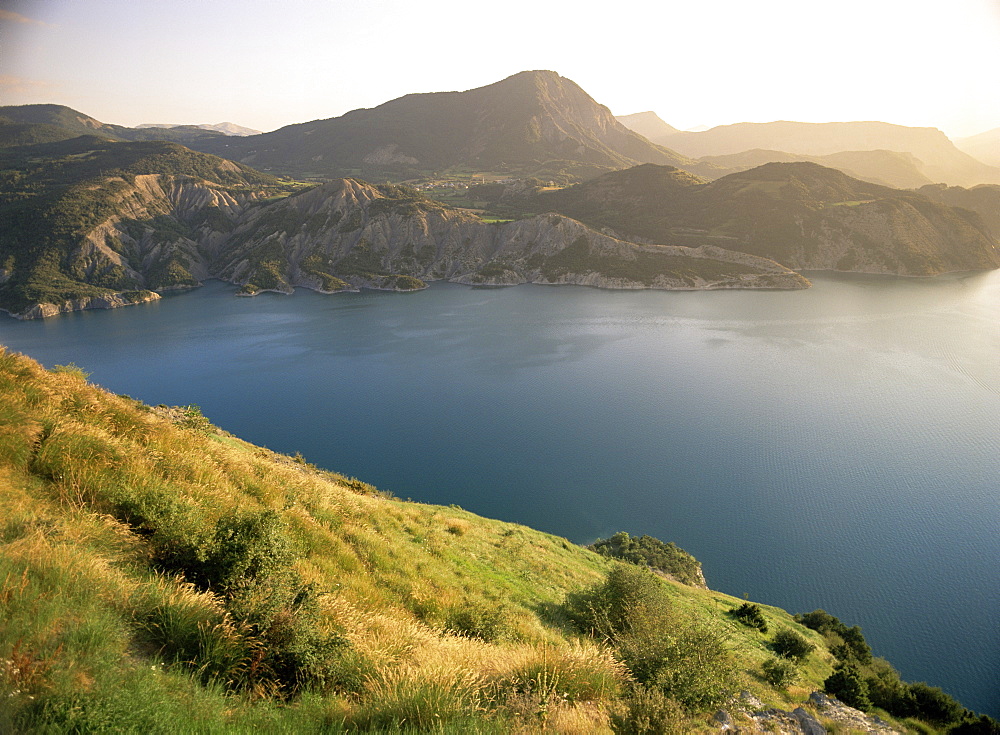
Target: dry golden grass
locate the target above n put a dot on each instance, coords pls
(80, 597)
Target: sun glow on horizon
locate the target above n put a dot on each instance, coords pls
(264, 66)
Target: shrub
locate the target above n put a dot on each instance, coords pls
(780, 672)
(646, 550)
(846, 684)
(649, 712)
(687, 662)
(789, 644)
(749, 614)
(629, 597)
(485, 621)
(578, 674)
(888, 692)
(851, 646)
(244, 549)
(934, 705)
(296, 649)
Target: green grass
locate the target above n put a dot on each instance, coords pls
(157, 571)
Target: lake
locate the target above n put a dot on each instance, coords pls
(834, 448)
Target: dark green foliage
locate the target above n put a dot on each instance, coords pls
(648, 551)
(780, 672)
(873, 681)
(750, 615)
(888, 692)
(847, 685)
(973, 725)
(934, 705)
(819, 620)
(789, 644)
(847, 644)
(246, 549)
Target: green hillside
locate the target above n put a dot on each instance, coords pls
(54, 195)
(984, 200)
(58, 122)
(160, 575)
(800, 214)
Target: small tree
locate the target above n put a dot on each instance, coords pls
(846, 684)
(749, 614)
(780, 672)
(789, 644)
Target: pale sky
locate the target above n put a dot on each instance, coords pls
(269, 63)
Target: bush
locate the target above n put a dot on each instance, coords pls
(789, 644)
(846, 684)
(579, 674)
(780, 672)
(851, 646)
(629, 597)
(488, 623)
(648, 551)
(649, 712)
(687, 662)
(934, 705)
(749, 614)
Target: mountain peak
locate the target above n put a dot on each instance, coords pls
(534, 122)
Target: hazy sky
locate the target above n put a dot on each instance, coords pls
(268, 63)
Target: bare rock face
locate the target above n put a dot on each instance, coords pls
(348, 232)
(853, 719)
(105, 301)
(171, 232)
(799, 721)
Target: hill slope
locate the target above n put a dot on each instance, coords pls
(984, 147)
(940, 160)
(984, 200)
(802, 215)
(72, 123)
(527, 123)
(886, 168)
(160, 572)
(91, 223)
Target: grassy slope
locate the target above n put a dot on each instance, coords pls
(94, 487)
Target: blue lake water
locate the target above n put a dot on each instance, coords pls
(833, 448)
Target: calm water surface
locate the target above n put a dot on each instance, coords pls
(836, 447)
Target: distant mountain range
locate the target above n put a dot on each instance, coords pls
(226, 128)
(887, 168)
(802, 215)
(935, 157)
(985, 146)
(27, 124)
(93, 223)
(93, 214)
(533, 123)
